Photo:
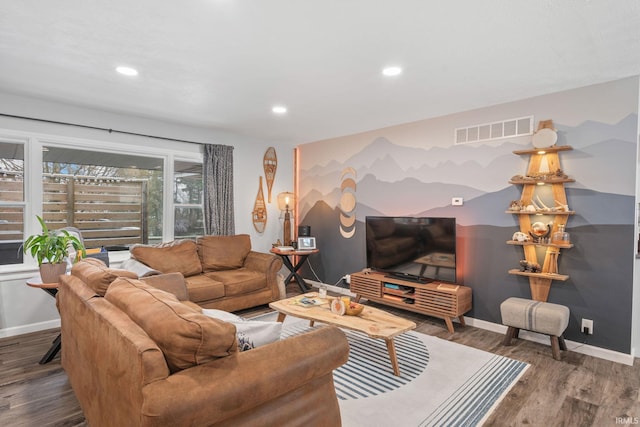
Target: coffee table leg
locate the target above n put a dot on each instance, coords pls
(391, 348)
(281, 317)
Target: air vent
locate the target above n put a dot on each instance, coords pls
(509, 128)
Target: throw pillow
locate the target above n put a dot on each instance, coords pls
(250, 333)
(185, 336)
(223, 252)
(179, 256)
(97, 275)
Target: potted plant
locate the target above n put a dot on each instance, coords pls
(50, 249)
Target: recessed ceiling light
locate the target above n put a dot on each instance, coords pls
(279, 109)
(392, 71)
(127, 71)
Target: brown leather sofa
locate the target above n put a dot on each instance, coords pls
(140, 357)
(222, 272)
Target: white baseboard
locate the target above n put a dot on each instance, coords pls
(578, 347)
(27, 329)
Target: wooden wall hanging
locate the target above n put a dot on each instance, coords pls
(259, 213)
(270, 163)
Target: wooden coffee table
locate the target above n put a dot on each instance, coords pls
(372, 321)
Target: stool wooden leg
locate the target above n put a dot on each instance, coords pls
(511, 333)
(555, 347)
(563, 346)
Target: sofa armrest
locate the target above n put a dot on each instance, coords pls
(269, 264)
(226, 387)
(260, 261)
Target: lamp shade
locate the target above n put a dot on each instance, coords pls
(286, 201)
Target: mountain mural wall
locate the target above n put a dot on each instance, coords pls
(394, 179)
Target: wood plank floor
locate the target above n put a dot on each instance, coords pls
(579, 390)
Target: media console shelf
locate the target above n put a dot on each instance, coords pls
(446, 301)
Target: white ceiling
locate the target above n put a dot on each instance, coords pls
(224, 63)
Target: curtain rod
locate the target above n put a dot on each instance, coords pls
(98, 128)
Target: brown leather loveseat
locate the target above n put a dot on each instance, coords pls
(138, 356)
(221, 272)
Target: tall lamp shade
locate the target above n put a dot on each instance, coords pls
(286, 202)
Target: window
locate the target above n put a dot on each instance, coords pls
(116, 193)
(12, 203)
(114, 199)
(187, 200)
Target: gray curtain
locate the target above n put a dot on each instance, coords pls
(218, 190)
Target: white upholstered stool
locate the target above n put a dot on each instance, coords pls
(542, 317)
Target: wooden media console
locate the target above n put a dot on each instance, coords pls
(446, 301)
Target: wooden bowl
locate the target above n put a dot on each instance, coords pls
(357, 309)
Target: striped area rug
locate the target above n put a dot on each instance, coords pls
(441, 383)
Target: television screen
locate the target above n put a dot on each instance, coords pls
(421, 249)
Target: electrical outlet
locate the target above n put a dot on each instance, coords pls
(587, 326)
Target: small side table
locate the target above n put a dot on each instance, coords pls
(288, 261)
(51, 289)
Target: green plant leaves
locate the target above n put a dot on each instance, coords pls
(51, 246)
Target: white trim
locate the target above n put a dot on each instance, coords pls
(582, 348)
(27, 329)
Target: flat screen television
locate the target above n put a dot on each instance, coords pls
(420, 249)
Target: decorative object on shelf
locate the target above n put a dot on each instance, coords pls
(519, 236)
(545, 136)
(270, 164)
(544, 169)
(537, 207)
(286, 201)
(516, 205)
(561, 237)
(51, 249)
(552, 256)
(259, 214)
(533, 267)
(540, 231)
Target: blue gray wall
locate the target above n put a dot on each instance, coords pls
(415, 169)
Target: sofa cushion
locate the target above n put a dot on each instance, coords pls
(223, 252)
(202, 288)
(97, 275)
(250, 333)
(185, 336)
(179, 256)
(174, 283)
(240, 281)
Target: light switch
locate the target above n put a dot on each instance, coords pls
(457, 201)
